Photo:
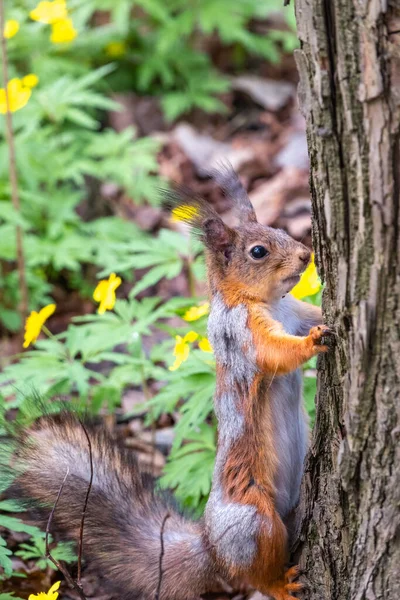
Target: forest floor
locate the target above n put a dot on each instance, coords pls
(263, 137)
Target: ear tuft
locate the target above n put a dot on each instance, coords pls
(184, 206)
(228, 180)
(196, 212)
(184, 213)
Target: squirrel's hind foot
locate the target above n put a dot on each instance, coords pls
(283, 590)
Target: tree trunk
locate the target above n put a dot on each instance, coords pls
(349, 92)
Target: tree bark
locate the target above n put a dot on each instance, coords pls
(349, 92)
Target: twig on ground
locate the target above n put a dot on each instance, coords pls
(80, 547)
(160, 571)
(23, 288)
(55, 562)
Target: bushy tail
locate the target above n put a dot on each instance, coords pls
(124, 516)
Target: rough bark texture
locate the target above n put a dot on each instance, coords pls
(349, 92)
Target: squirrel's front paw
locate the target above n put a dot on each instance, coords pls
(317, 333)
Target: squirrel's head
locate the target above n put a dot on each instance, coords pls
(251, 259)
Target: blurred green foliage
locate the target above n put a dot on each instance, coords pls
(63, 143)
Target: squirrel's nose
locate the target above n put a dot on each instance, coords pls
(304, 256)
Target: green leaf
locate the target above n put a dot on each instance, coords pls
(189, 470)
(17, 525)
(5, 561)
(63, 551)
(310, 390)
(10, 506)
(79, 117)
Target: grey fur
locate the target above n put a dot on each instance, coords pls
(76, 459)
(230, 418)
(230, 428)
(232, 529)
(296, 317)
(291, 438)
(229, 335)
(290, 420)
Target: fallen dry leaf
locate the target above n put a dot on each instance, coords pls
(269, 93)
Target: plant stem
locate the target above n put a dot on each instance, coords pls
(48, 332)
(53, 337)
(23, 288)
(148, 395)
(190, 278)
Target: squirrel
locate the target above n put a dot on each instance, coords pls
(260, 336)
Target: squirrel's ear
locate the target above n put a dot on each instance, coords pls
(231, 185)
(218, 237)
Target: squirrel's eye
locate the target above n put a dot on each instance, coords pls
(258, 252)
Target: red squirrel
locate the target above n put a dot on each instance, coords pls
(260, 336)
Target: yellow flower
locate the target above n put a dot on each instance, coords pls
(35, 322)
(18, 96)
(55, 14)
(115, 49)
(63, 31)
(11, 28)
(52, 594)
(182, 348)
(196, 312)
(105, 293)
(309, 283)
(50, 12)
(184, 213)
(205, 345)
(30, 81)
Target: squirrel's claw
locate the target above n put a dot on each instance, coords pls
(292, 573)
(329, 331)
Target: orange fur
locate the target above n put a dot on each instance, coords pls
(278, 352)
(252, 458)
